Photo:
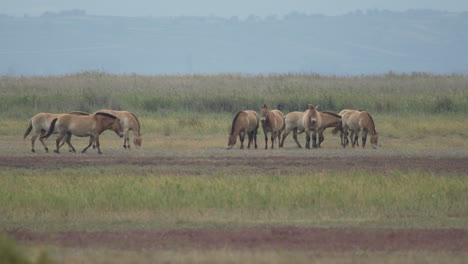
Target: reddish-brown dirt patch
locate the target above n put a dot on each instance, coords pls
(247, 164)
(264, 238)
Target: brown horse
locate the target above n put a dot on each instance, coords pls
(129, 122)
(245, 122)
(40, 123)
(297, 122)
(84, 126)
(273, 123)
(320, 121)
(357, 121)
(344, 139)
(309, 121)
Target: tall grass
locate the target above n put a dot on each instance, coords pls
(135, 194)
(90, 91)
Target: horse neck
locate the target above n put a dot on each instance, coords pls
(103, 123)
(328, 120)
(370, 124)
(137, 123)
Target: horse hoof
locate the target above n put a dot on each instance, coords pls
(56, 151)
(100, 153)
(33, 151)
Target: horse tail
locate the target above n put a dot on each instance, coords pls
(138, 121)
(339, 127)
(28, 130)
(51, 128)
(234, 122)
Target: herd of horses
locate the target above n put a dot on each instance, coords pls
(348, 122)
(311, 122)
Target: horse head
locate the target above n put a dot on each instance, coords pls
(137, 140)
(264, 113)
(117, 127)
(232, 141)
(312, 115)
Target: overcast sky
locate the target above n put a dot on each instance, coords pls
(223, 8)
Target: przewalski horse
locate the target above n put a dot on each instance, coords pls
(343, 137)
(310, 121)
(321, 121)
(40, 123)
(273, 123)
(358, 121)
(84, 126)
(297, 122)
(129, 122)
(245, 122)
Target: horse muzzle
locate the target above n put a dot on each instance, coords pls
(229, 147)
(263, 119)
(121, 135)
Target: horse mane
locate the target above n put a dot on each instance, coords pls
(138, 121)
(331, 113)
(234, 121)
(106, 115)
(78, 113)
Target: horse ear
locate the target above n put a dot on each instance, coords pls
(264, 106)
(311, 106)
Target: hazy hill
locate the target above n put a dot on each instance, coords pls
(356, 43)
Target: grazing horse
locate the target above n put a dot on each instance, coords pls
(129, 122)
(40, 123)
(272, 122)
(297, 122)
(84, 126)
(245, 122)
(357, 121)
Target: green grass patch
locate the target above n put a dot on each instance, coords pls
(79, 197)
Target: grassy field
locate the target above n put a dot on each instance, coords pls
(134, 197)
(416, 115)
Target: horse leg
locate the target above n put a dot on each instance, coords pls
(273, 135)
(364, 138)
(314, 139)
(254, 134)
(33, 140)
(307, 139)
(321, 139)
(250, 137)
(68, 141)
(295, 138)
(57, 143)
(281, 140)
(344, 139)
(241, 138)
(91, 141)
(355, 139)
(278, 136)
(265, 133)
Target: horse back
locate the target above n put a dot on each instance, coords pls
(293, 120)
(251, 120)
